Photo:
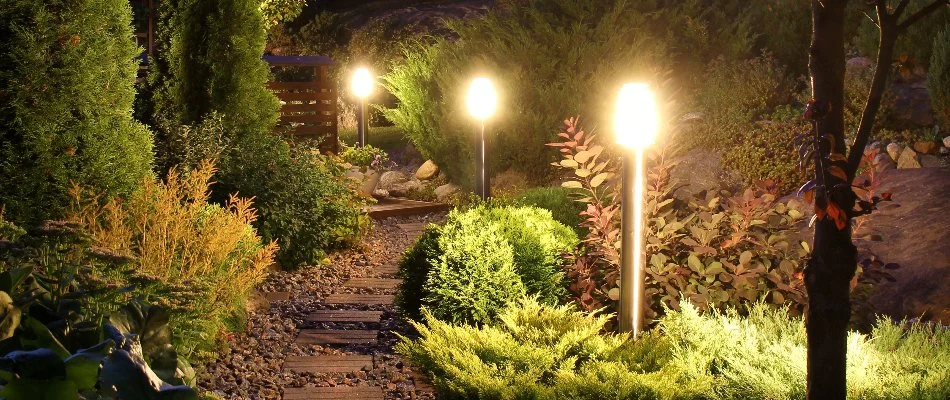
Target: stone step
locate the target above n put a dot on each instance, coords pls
(356, 298)
(373, 283)
(327, 364)
(344, 316)
(336, 336)
(334, 393)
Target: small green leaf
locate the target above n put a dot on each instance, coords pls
(582, 156)
(582, 172)
(568, 163)
(599, 179)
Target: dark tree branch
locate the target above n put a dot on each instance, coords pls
(890, 30)
(900, 8)
(923, 12)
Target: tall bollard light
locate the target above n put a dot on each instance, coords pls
(362, 87)
(636, 124)
(482, 101)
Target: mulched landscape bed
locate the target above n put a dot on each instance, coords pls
(251, 367)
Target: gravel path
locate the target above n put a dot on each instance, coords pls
(250, 367)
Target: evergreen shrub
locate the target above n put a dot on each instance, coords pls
(542, 352)
(483, 258)
(67, 70)
(558, 201)
(938, 78)
(546, 57)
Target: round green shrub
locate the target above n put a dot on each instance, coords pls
(558, 201)
(481, 259)
(67, 70)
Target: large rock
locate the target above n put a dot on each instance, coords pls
(925, 147)
(894, 150)
(946, 141)
(859, 63)
(701, 169)
(908, 159)
(391, 178)
(403, 189)
(912, 230)
(883, 162)
(427, 171)
(445, 191)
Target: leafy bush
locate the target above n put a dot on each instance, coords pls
(67, 70)
(367, 156)
(716, 251)
(56, 290)
(305, 203)
(938, 78)
(483, 258)
(913, 46)
(177, 237)
(544, 352)
(563, 66)
(185, 147)
(558, 201)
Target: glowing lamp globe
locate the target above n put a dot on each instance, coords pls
(481, 99)
(362, 84)
(636, 121)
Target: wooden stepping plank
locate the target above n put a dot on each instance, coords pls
(277, 296)
(334, 393)
(326, 364)
(390, 207)
(336, 336)
(385, 269)
(421, 382)
(344, 316)
(413, 228)
(356, 298)
(373, 283)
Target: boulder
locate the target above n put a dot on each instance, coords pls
(354, 174)
(925, 147)
(908, 159)
(427, 171)
(445, 191)
(380, 193)
(403, 189)
(391, 178)
(894, 150)
(883, 162)
(873, 148)
(859, 63)
(946, 142)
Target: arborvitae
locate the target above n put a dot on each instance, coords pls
(938, 77)
(67, 70)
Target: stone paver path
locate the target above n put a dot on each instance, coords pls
(327, 332)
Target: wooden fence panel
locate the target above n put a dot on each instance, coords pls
(308, 109)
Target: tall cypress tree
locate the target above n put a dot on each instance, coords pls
(67, 70)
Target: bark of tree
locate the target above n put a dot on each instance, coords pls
(833, 260)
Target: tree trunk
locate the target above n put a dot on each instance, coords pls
(833, 260)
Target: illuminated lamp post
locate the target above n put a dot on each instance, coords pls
(636, 124)
(362, 87)
(481, 102)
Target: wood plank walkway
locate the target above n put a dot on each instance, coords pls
(336, 336)
(356, 298)
(334, 393)
(344, 316)
(373, 283)
(390, 207)
(328, 364)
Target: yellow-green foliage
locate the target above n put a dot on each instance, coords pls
(543, 352)
(176, 236)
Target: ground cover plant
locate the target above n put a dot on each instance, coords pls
(67, 91)
(539, 351)
(207, 258)
(69, 331)
(483, 258)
